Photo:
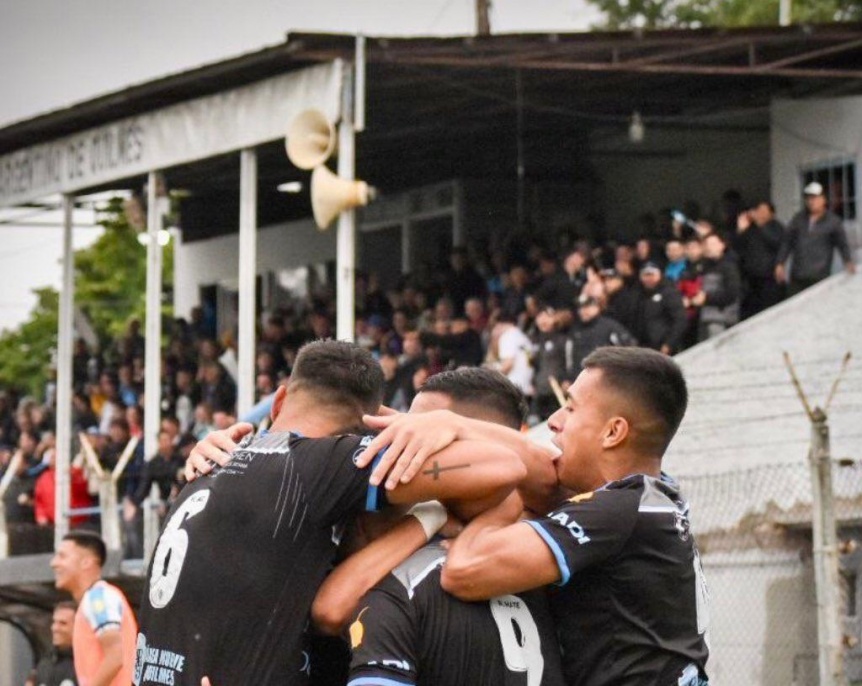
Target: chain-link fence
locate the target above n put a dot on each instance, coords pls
(754, 532)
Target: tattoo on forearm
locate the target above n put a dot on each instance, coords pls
(436, 469)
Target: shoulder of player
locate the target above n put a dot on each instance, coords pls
(421, 568)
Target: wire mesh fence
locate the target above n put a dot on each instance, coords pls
(754, 532)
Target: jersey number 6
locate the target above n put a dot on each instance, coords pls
(171, 551)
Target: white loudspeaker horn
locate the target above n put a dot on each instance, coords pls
(310, 139)
(331, 195)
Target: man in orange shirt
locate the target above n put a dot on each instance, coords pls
(105, 628)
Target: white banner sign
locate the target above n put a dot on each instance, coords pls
(179, 134)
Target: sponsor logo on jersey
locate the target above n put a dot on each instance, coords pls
(572, 526)
(582, 497)
(357, 630)
(363, 444)
(140, 658)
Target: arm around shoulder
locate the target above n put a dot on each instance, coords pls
(494, 556)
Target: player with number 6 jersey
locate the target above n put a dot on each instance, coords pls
(245, 547)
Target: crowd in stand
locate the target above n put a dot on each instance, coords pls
(528, 311)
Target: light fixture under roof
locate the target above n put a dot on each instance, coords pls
(636, 128)
(290, 187)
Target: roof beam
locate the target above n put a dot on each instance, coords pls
(813, 54)
(705, 70)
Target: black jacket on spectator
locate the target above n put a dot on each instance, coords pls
(56, 669)
(162, 471)
(758, 248)
(584, 337)
(811, 246)
(623, 306)
(457, 349)
(721, 284)
(560, 291)
(661, 317)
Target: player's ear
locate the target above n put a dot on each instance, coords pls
(615, 432)
(278, 401)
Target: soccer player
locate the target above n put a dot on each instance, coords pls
(632, 606)
(103, 638)
(408, 630)
(245, 548)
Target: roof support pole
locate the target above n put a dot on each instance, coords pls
(65, 335)
(153, 328)
(247, 280)
(346, 240)
(153, 341)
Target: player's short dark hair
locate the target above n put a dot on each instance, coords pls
(66, 605)
(336, 371)
(91, 541)
(482, 387)
(649, 378)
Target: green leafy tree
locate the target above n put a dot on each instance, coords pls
(652, 14)
(110, 288)
(26, 353)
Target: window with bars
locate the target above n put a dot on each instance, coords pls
(838, 178)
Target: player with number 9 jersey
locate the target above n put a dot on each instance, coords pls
(408, 631)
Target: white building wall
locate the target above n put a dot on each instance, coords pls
(671, 166)
(809, 132)
(763, 629)
(216, 261)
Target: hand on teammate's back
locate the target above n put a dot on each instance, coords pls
(214, 449)
(409, 439)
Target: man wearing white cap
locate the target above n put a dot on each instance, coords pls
(811, 237)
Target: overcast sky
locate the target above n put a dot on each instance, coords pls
(55, 53)
(58, 52)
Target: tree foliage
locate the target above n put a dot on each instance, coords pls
(26, 353)
(653, 14)
(110, 289)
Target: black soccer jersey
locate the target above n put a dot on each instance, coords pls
(633, 607)
(240, 559)
(408, 631)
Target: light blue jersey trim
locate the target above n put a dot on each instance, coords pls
(565, 574)
(377, 681)
(372, 499)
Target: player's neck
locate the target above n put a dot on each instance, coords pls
(83, 584)
(309, 419)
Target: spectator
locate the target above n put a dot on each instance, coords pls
(561, 290)
(217, 388)
(621, 295)
(163, 470)
(661, 319)
(811, 238)
(550, 345)
(513, 306)
(127, 389)
(719, 299)
(510, 352)
(676, 266)
(689, 285)
(592, 330)
(461, 347)
(58, 667)
(107, 401)
(462, 280)
(757, 242)
(83, 416)
(45, 494)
